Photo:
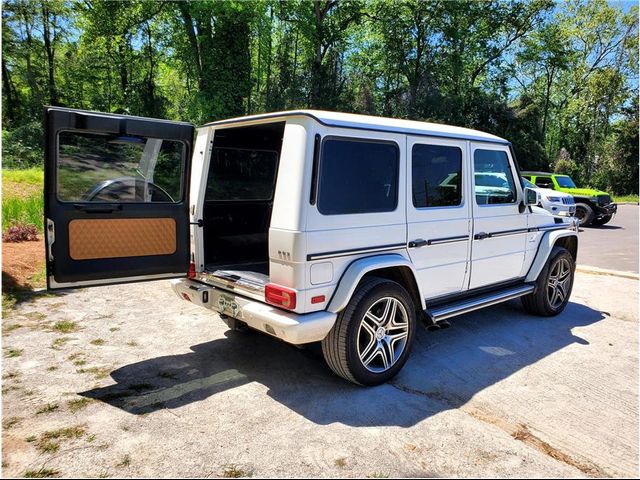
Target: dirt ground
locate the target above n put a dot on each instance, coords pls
(22, 264)
(131, 381)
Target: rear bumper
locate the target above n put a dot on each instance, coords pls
(288, 326)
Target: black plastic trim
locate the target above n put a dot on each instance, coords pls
(353, 251)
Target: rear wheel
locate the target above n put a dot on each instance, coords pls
(584, 214)
(371, 339)
(554, 285)
(602, 220)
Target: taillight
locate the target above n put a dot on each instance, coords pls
(192, 270)
(280, 296)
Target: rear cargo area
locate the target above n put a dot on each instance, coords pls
(239, 200)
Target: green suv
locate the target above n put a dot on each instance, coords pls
(592, 206)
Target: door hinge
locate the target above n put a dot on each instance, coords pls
(51, 237)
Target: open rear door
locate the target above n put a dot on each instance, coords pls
(116, 198)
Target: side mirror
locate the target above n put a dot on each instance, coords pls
(531, 196)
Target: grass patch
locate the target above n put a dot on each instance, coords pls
(235, 471)
(10, 422)
(27, 210)
(9, 327)
(98, 341)
(626, 198)
(125, 462)
(97, 372)
(65, 326)
(52, 368)
(133, 343)
(12, 352)
(30, 176)
(11, 375)
(58, 343)
(114, 329)
(50, 441)
(42, 473)
(341, 462)
(78, 404)
(48, 408)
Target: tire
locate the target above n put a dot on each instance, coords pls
(543, 302)
(602, 220)
(361, 349)
(584, 213)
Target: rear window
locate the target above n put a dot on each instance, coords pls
(239, 174)
(118, 168)
(357, 176)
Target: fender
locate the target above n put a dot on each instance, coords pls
(544, 250)
(354, 273)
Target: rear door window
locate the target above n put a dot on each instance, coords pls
(357, 176)
(96, 168)
(436, 176)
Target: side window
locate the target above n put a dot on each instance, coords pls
(239, 174)
(436, 173)
(357, 176)
(493, 178)
(544, 182)
(118, 169)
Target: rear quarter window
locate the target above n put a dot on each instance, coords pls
(357, 176)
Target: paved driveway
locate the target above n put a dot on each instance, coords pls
(131, 381)
(613, 246)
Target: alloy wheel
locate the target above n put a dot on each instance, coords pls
(383, 334)
(559, 283)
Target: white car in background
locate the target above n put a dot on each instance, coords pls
(556, 203)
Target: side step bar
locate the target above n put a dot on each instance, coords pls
(443, 312)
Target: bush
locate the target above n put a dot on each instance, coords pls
(23, 147)
(20, 232)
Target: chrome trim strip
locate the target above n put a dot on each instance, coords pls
(112, 281)
(439, 241)
(354, 251)
(470, 305)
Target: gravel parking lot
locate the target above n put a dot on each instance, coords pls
(130, 381)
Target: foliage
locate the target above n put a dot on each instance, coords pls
(546, 76)
(20, 232)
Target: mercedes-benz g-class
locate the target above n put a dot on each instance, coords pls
(308, 226)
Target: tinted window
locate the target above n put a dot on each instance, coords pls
(565, 182)
(357, 177)
(117, 168)
(238, 174)
(544, 182)
(493, 178)
(436, 176)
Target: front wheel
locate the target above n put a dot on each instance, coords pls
(584, 214)
(554, 285)
(371, 339)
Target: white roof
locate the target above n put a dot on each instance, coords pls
(369, 122)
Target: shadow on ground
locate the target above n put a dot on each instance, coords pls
(445, 370)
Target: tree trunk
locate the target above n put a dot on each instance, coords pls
(50, 50)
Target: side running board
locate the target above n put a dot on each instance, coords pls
(443, 312)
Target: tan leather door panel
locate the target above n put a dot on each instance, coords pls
(122, 237)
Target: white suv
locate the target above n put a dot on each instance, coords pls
(309, 226)
(554, 202)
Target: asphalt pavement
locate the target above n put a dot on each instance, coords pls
(613, 246)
